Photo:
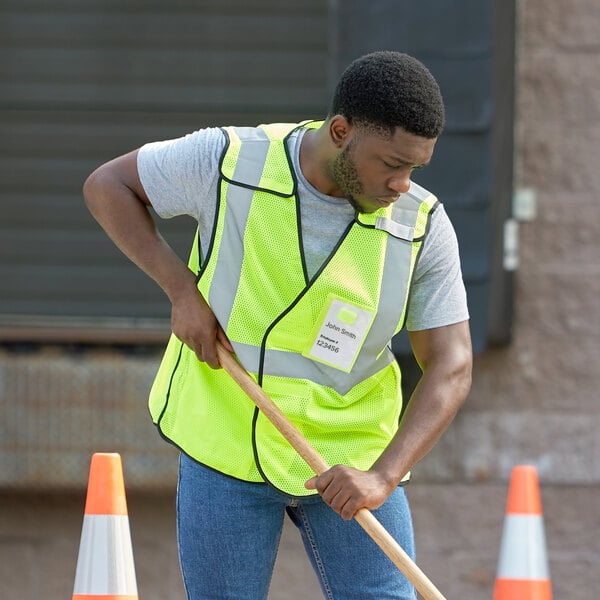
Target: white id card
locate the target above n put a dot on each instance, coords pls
(341, 335)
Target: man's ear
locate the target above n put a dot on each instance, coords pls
(339, 130)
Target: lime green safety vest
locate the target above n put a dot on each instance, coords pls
(319, 347)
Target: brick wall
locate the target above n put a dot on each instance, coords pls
(60, 405)
(537, 400)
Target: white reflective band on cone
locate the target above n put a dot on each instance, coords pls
(523, 548)
(105, 563)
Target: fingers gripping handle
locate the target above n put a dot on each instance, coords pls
(315, 461)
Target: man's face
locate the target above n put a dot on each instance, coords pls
(372, 169)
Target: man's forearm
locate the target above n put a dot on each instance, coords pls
(430, 411)
(438, 396)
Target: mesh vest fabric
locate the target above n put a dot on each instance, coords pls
(254, 278)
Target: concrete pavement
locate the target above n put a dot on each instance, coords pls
(458, 529)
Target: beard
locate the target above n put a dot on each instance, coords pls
(345, 176)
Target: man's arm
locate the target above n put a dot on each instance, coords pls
(116, 198)
(445, 357)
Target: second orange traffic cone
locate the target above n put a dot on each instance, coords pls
(523, 565)
(105, 568)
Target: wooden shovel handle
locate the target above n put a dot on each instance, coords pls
(315, 461)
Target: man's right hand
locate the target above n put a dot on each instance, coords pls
(194, 323)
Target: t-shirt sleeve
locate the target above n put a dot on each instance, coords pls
(178, 175)
(438, 296)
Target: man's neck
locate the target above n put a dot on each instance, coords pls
(314, 159)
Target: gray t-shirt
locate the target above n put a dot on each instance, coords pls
(181, 177)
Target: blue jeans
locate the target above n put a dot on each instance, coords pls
(229, 532)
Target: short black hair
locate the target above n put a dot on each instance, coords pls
(387, 89)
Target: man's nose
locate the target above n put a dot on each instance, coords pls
(400, 183)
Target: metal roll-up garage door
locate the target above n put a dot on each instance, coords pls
(83, 81)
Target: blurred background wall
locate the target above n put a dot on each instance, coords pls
(81, 331)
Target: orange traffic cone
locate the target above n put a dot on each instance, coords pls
(105, 568)
(523, 566)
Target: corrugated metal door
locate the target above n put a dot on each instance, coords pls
(83, 81)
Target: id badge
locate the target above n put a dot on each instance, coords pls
(340, 334)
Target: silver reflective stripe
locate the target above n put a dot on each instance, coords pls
(523, 548)
(105, 563)
(405, 210)
(396, 229)
(278, 363)
(394, 289)
(250, 162)
(248, 169)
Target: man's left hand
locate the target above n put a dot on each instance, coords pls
(347, 490)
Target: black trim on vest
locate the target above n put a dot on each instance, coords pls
(213, 233)
(203, 263)
(263, 346)
(296, 199)
(164, 408)
(267, 481)
(198, 462)
(417, 239)
(300, 240)
(256, 187)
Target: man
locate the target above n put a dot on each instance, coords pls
(313, 249)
